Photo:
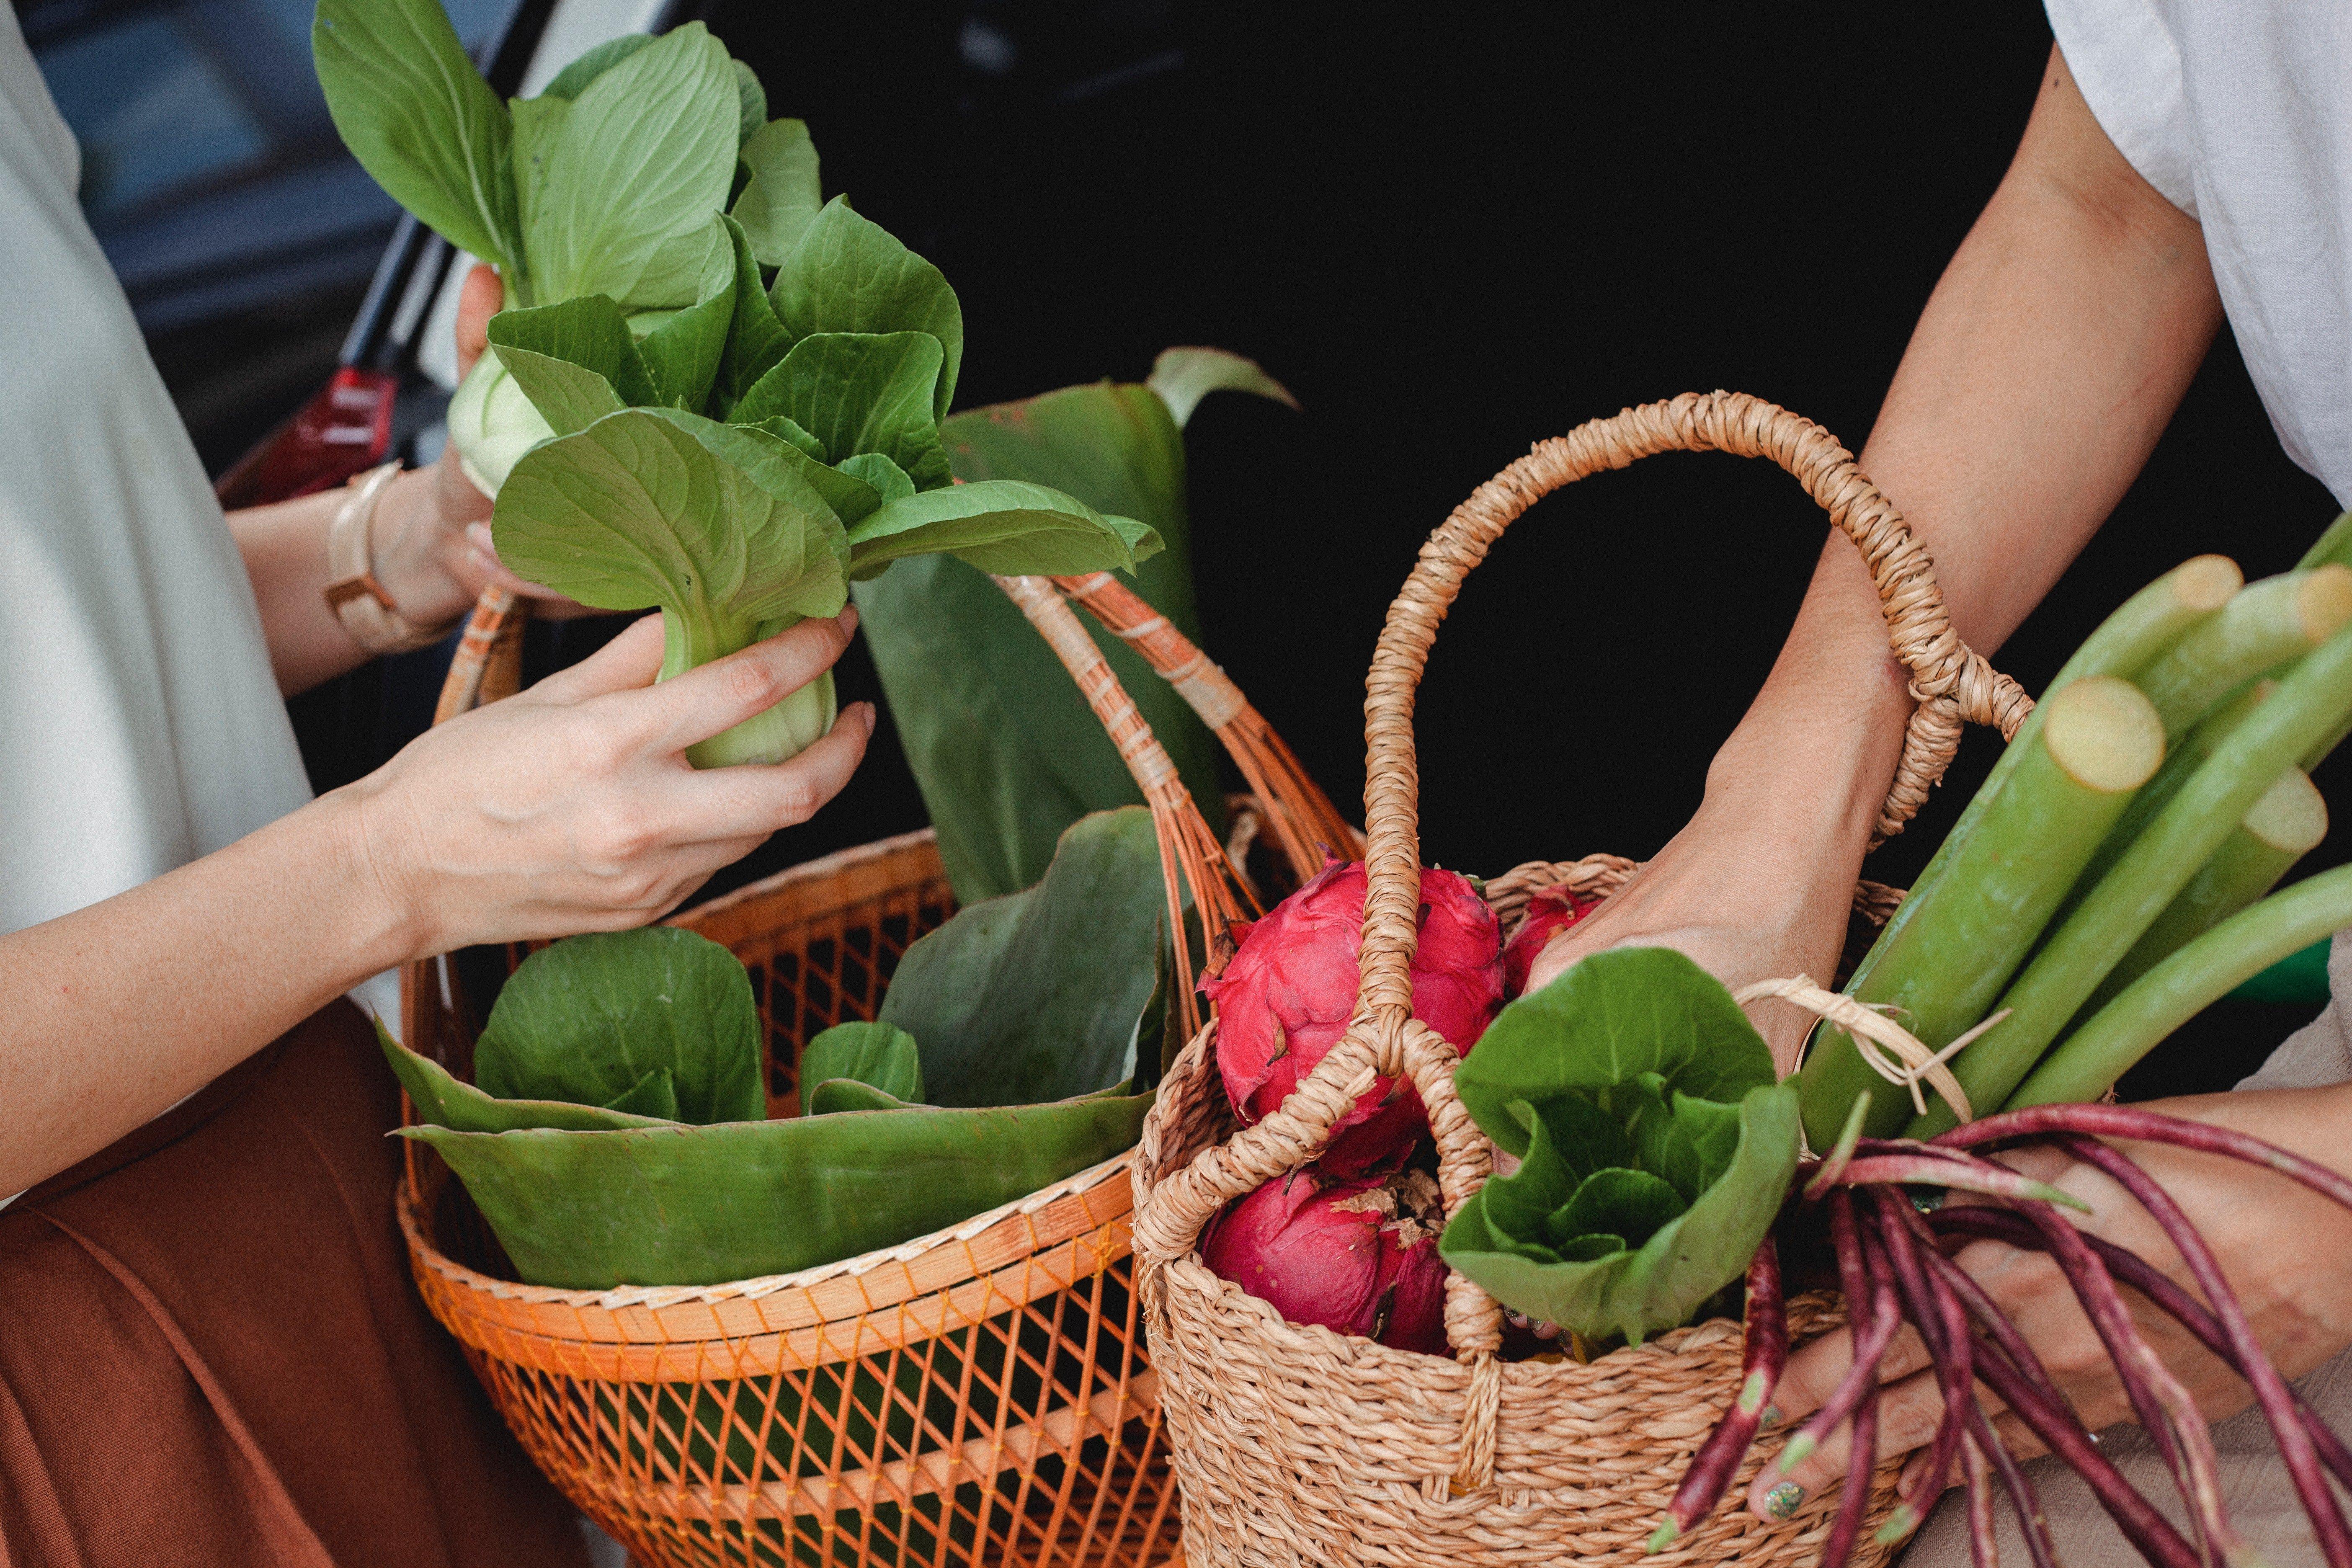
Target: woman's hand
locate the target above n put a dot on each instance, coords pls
(433, 554)
(2286, 1251)
(1758, 884)
(571, 807)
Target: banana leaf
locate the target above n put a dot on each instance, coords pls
(695, 1205)
(1044, 993)
(1005, 748)
(1038, 999)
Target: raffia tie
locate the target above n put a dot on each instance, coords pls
(1892, 1051)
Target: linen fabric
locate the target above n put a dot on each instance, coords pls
(2242, 116)
(2254, 1485)
(144, 727)
(213, 1353)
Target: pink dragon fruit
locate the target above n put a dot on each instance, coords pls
(1357, 1255)
(1550, 911)
(1286, 997)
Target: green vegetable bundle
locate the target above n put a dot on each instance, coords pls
(614, 1134)
(1653, 1145)
(728, 415)
(2108, 880)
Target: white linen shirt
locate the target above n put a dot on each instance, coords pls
(2241, 115)
(140, 723)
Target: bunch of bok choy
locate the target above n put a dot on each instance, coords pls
(617, 1129)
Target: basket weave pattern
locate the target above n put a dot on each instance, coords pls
(978, 1395)
(1297, 1447)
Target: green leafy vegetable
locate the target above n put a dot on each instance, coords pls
(1655, 1146)
(882, 1055)
(696, 1205)
(409, 104)
(1037, 998)
(1041, 995)
(593, 1018)
(1004, 747)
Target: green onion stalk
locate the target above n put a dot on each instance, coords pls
(2191, 979)
(2311, 701)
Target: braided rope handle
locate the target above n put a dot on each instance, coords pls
(1952, 683)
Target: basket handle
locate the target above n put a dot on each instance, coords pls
(1952, 683)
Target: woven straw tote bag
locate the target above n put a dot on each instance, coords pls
(1302, 1447)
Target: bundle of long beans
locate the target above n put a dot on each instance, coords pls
(1893, 1268)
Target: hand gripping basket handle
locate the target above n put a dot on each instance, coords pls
(1952, 685)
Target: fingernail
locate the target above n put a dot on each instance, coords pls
(873, 717)
(1783, 1501)
(849, 620)
(1769, 1419)
(479, 532)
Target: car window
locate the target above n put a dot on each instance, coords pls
(178, 97)
(151, 110)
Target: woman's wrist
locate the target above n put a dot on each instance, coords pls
(418, 551)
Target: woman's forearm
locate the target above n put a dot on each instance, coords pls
(111, 1014)
(2047, 363)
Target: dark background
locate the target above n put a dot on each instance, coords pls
(1453, 231)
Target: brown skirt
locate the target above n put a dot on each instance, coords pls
(211, 1352)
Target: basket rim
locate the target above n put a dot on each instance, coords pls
(656, 1296)
(823, 866)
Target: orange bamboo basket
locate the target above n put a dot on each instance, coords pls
(979, 1395)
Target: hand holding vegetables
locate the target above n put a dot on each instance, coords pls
(571, 807)
(2286, 1251)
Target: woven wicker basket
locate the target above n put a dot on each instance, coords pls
(974, 1397)
(1295, 1446)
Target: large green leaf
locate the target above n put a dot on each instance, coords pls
(661, 507)
(707, 1204)
(847, 275)
(1182, 377)
(699, 1206)
(1655, 1146)
(859, 392)
(446, 1102)
(1038, 995)
(590, 1017)
(419, 118)
(1002, 745)
(644, 158)
(1003, 526)
(782, 197)
(880, 1055)
(751, 103)
(1640, 1291)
